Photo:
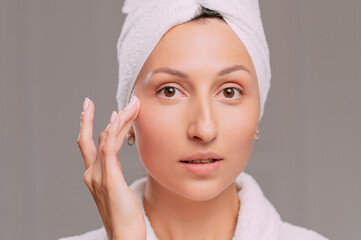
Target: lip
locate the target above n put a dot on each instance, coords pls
(202, 156)
(202, 169)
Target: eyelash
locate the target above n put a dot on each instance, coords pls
(241, 92)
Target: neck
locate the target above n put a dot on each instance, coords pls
(175, 217)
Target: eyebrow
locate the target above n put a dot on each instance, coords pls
(221, 73)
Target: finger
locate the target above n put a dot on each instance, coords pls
(107, 147)
(104, 133)
(85, 138)
(127, 118)
(87, 178)
(97, 173)
(101, 138)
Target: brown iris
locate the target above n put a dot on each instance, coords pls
(227, 91)
(169, 91)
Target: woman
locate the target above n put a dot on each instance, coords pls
(196, 105)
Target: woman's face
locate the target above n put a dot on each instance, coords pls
(202, 109)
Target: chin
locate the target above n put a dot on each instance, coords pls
(201, 190)
(193, 188)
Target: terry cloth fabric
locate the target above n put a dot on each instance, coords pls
(147, 21)
(257, 217)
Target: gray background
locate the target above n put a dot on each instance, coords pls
(55, 53)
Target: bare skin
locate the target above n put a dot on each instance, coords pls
(198, 115)
(120, 212)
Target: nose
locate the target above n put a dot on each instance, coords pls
(203, 126)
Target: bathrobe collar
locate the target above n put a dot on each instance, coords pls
(257, 217)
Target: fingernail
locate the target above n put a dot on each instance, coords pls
(85, 104)
(112, 117)
(131, 103)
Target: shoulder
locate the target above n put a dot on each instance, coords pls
(97, 234)
(293, 232)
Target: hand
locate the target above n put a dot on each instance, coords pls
(120, 211)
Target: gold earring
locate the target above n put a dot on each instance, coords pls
(131, 139)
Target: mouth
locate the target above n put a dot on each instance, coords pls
(201, 167)
(201, 161)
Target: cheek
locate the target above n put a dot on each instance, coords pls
(240, 126)
(238, 129)
(156, 129)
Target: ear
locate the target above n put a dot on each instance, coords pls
(131, 131)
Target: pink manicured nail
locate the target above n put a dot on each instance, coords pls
(85, 104)
(112, 118)
(131, 103)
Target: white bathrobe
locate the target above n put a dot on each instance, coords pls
(257, 217)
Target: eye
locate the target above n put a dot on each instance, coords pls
(229, 92)
(168, 91)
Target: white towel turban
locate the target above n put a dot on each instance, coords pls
(148, 20)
